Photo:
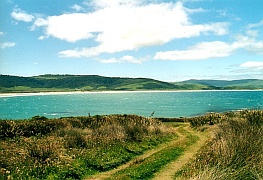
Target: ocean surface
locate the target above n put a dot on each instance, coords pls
(161, 104)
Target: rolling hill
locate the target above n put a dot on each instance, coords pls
(224, 84)
(49, 82)
(78, 82)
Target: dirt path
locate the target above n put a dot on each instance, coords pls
(107, 174)
(170, 169)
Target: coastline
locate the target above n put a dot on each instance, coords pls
(2, 95)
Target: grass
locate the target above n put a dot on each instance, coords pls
(74, 147)
(235, 152)
(81, 147)
(146, 168)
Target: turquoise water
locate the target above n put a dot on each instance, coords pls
(163, 104)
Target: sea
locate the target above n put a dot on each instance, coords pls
(150, 103)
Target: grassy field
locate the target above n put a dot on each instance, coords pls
(146, 168)
(133, 147)
(234, 152)
(75, 147)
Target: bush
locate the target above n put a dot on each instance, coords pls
(74, 147)
(254, 117)
(39, 118)
(209, 119)
(41, 150)
(235, 152)
(74, 138)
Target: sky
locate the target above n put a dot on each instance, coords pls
(159, 39)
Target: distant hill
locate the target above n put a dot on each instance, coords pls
(78, 82)
(224, 84)
(49, 82)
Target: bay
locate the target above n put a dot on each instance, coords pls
(163, 104)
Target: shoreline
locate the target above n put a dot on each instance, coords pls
(2, 95)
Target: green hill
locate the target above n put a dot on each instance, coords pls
(223, 84)
(78, 82)
(49, 82)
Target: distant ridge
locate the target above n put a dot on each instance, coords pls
(231, 84)
(50, 82)
(78, 83)
(220, 83)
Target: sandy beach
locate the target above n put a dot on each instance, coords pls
(33, 94)
(63, 93)
(107, 92)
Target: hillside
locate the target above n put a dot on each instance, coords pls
(49, 82)
(78, 82)
(223, 84)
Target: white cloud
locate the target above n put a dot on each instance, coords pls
(215, 49)
(98, 4)
(247, 68)
(127, 58)
(1, 33)
(253, 65)
(39, 22)
(7, 45)
(75, 53)
(250, 26)
(204, 50)
(126, 25)
(222, 13)
(76, 7)
(70, 27)
(252, 33)
(42, 37)
(20, 15)
(250, 44)
(256, 47)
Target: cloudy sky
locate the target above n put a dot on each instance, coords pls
(159, 39)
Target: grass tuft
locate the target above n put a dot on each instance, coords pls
(235, 152)
(74, 147)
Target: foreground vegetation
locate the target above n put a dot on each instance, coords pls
(147, 168)
(132, 147)
(74, 147)
(235, 151)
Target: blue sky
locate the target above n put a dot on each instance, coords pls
(159, 39)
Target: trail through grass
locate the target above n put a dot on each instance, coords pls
(133, 147)
(75, 147)
(135, 161)
(167, 173)
(163, 161)
(234, 152)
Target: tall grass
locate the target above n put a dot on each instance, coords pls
(74, 147)
(235, 152)
(146, 168)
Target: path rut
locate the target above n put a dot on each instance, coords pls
(169, 170)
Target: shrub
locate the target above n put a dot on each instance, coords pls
(255, 117)
(41, 150)
(74, 138)
(72, 147)
(235, 152)
(109, 133)
(209, 119)
(39, 118)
